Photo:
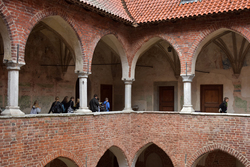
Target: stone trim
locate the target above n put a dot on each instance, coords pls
(122, 112)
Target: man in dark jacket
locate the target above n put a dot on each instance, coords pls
(223, 105)
(93, 104)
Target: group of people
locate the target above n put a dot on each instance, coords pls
(96, 106)
(66, 106)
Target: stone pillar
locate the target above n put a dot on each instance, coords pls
(187, 107)
(12, 109)
(128, 95)
(83, 93)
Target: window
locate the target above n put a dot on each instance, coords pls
(189, 1)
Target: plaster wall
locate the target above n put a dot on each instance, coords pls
(107, 70)
(147, 80)
(214, 67)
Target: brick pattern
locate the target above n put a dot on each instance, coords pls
(27, 141)
(185, 36)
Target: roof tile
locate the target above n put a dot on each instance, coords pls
(143, 11)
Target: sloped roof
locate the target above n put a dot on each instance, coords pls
(157, 10)
(144, 11)
(114, 8)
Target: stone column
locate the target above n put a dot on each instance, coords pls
(12, 109)
(83, 93)
(128, 94)
(187, 107)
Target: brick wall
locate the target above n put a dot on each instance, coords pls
(37, 141)
(184, 35)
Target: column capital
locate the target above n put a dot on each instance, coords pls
(14, 66)
(82, 75)
(128, 81)
(187, 78)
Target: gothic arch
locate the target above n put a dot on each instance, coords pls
(58, 154)
(117, 46)
(5, 30)
(119, 153)
(209, 34)
(209, 148)
(138, 153)
(146, 44)
(65, 26)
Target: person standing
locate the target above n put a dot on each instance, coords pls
(35, 108)
(56, 106)
(71, 105)
(223, 105)
(93, 104)
(77, 105)
(106, 103)
(65, 104)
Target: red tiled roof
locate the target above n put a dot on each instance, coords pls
(113, 7)
(143, 11)
(157, 10)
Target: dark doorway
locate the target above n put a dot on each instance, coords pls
(106, 91)
(108, 160)
(153, 156)
(166, 98)
(211, 97)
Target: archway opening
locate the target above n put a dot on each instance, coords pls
(61, 162)
(217, 158)
(221, 70)
(5, 55)
(108, 66)
(153, 156)
(52, 55)
(108, 160)
(157, 77)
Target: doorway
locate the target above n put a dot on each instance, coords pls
(166, 98)
(107, 91)
(211, 97)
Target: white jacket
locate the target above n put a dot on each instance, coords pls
(35, 110)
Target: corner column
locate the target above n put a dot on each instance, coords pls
(83, 93)
(187, 107)
(13, 89)
(128, 95)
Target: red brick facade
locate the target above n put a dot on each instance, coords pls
(37, 141)
(28, 141)
(184, 35)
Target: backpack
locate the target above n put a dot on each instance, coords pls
(57, 108)
(103, 107)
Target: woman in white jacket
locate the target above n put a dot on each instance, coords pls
(35, 108)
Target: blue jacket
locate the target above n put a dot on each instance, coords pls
(107, 105)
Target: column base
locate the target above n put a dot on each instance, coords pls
(187, 109)
(12, 111)
(127, 110)
(83, 110)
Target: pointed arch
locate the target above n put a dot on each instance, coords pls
(138, 153)
(209, 148)
(119, 154)
(116, 45)
(206, 37)
(65, 26)
(148, 43)
(61, 154)
(5, 30)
